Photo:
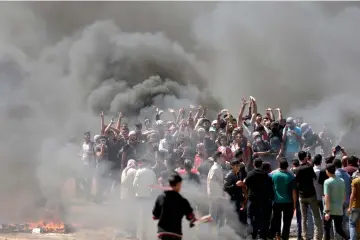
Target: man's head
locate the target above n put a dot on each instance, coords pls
(188, 165)
(317, 160)
(175, 181)
(290, 123)
(87, 136)
(235, 165)
(257, 137)
(102, 140)
(258, 118)
(330, 169)
(125, 131)
(206, 124)
(238, 154)
(200, 148)
(258, 163)
(266, 166)
(217, 157)
(329, 159)
(302, 155)
(283, 164)
(266, 121)
(132, 138)
(201, 133)
(295, 163)
(337, 163)
(353, 160)
(260, 129)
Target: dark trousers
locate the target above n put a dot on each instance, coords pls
(259, 213)
(169, 237)
(233, 218)
(287, 211)
(338, 227)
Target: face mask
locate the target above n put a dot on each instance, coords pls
(258, 139)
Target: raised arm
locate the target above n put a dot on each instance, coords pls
(118, 124)
(242, 110)
(102, 123)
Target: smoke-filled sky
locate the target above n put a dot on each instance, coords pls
(61, 63)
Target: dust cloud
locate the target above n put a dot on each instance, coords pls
(61, 63)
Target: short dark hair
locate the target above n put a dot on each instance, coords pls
(174, 179)
(260, 128)
(258, 162)
(216, 156)
(234, 162)
(295, 162)
(330, 168)
(337, 163)
(329, 159)
(266, 166)
(87, 133)
(188, 165)
(317, 159)
(302, 155)
(283, 164)
(238, 153)
(353, 160)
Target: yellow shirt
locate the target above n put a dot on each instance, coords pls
(355, 184)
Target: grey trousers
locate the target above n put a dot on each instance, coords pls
(314, 206)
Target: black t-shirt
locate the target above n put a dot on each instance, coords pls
(322, 176)
(305, 177)
(170, 208)
(260, 186)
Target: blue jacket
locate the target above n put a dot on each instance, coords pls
(347, 179)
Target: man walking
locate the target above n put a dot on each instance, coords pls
(305, 177)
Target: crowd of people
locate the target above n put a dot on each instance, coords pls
(265, 167)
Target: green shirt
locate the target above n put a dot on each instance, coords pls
(284, 184)
(334, 187)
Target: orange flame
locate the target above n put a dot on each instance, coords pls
(47, 227)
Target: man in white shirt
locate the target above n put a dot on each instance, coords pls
(318, 187)
(144, 178)
(88, 159)
(215, 182)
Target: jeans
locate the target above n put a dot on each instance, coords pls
(310, 224)
(259, 213)
(338, 227)
(287, 211)
(311, 202)
(353, 220)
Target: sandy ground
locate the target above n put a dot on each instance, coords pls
(98, 222)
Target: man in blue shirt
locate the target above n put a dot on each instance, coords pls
(341, 173)
(292, 139)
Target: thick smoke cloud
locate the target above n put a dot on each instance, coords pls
(62, 63)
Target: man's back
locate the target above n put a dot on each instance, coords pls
(355, 184)
(334, 187)
(144, 177)
(284, 183)
(260, 185)
(305, 177)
